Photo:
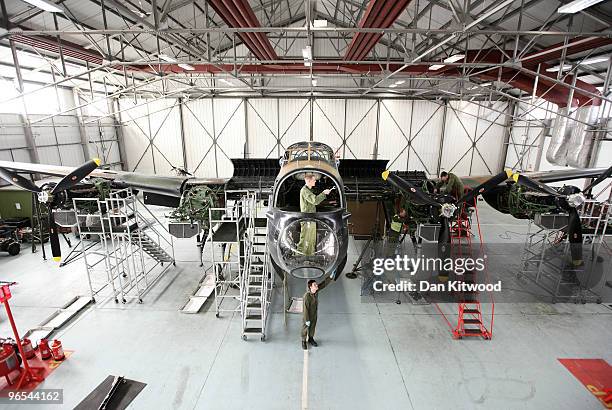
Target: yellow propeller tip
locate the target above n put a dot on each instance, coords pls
(97, 161)
(509, 173)
(515, 177)
(57, 258)
(385, 175)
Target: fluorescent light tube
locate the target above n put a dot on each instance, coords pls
(454, 58)
(577, 5)
(595, 60)
(45, 5)
(556, 68)
(436, 67)
(392, 85)
(186, 67)
(400, 82)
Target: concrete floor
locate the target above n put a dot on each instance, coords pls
(371, 355)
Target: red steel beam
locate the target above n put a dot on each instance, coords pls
(379, 14)
(238, 14)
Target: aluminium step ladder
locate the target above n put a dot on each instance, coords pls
(150, 246)
(258, 280)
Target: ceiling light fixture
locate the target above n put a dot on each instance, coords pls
(594, 60)
(392, 85)
(186, 67)
(45, 5)
(454, 58)
(436, 67)
(576, 6)
(307, 54)
(556, 68)
(400, 82)
(314, 82)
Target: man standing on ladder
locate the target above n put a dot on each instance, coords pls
(308, 204)
(450, 184)
(311, 304)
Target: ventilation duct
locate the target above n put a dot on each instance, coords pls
(560, 135)
(581, 138)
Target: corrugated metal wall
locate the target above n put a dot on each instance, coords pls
(407, 133)
(527, 134)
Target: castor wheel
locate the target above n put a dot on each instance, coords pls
(263, 338)
(398, 302)
(116, 300)
(174, 263)
(244, 337)
(124, 301)
(216, 315)
(140, 301)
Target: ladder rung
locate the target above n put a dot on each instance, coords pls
(472, 321)
(471, 311)
(252, 330)
(253, 317)
(254, 305)
(473, 331)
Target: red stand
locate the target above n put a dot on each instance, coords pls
(470, 321)
(29, 373)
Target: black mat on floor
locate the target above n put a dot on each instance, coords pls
(122, 398)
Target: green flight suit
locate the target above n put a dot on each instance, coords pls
(453, 186)
(308, 233)
(397, 227)
(311, 304)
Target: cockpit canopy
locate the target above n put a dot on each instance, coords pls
(309, 151)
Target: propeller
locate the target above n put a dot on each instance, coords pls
(50, 196)
(447, 205)
(568, 201)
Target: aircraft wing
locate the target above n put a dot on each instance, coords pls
(163, 185)
(542, 176)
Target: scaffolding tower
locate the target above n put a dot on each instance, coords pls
(134, 249)
(545, 253)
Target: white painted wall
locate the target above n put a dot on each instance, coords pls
(407, 133)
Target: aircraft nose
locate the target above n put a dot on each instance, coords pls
(308, 248)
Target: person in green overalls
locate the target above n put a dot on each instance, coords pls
(398, 226)
(450, 184)
(308, 204)
(311, 304)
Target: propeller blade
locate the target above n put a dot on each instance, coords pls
(76, 176)
(534, 185)
(415, 193)
(56, 250)
(485, 187)
(444, 247)
(18, 180)
(574, 232)
(606, 174)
